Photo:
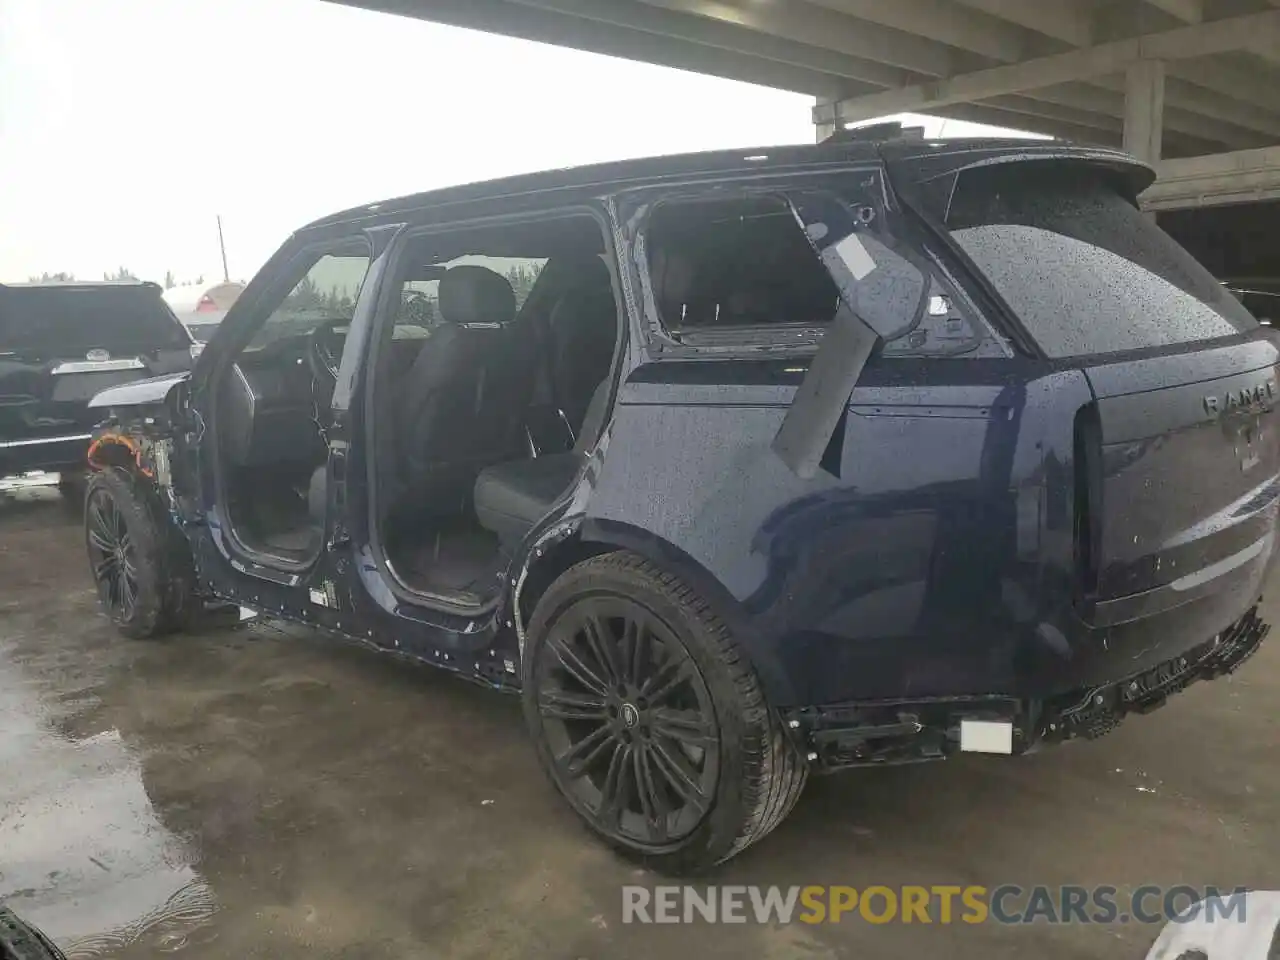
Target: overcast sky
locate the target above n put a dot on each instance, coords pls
(126, 125)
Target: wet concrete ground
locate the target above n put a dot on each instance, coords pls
(246, 793)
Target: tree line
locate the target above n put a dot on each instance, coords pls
(122, 273)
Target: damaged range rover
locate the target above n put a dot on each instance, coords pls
(736, 467)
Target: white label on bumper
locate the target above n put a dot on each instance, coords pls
(986, 736)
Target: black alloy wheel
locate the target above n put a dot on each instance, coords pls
(112, 556)
(649, 718)
(139, 560)
(629, 720)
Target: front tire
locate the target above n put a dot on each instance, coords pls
(140, 565)
(649, 720)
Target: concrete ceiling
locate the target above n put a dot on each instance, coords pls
(1053, 66)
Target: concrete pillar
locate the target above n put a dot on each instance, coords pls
(1144, 109)
(824, 130)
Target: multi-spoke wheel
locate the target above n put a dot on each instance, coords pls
(111, 555)
(136, 558)
(648, 718)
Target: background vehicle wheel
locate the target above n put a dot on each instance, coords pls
(649, 720)
(72, 485)
(142, 572)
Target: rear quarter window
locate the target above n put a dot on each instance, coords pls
(1085, 271)
(70, 321)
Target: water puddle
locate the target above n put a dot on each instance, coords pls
(83, 854)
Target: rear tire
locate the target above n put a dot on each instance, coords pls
(672, 754)
(140, 563)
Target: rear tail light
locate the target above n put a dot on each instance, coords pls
(1088, 498)
(206, 304)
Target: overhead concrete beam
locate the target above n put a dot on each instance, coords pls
(942, 21)
(1228, 134)
(1180, 115)
(1081, 96)
(1026, 106)
(1180, 144)
(1184, 95)
(1188, 11)
(1265, 49)
(732, 55)
(1062, 20)
(1240, 177)
(1144, 109)
(1234, 33)
(787, 19)
(1225, 77)
(1002, 117)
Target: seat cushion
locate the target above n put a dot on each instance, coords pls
(511, 497)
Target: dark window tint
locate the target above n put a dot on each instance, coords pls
(1085, 271)
(70, 321)
(743, 262)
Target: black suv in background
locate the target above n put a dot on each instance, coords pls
(62, 343)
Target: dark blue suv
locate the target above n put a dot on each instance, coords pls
(735, 466)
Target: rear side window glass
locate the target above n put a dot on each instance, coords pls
(1085, 271)
(71, 321)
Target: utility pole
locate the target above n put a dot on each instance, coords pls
(226, 274)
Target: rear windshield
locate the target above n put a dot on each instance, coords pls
(1085, 271)
(69, 322)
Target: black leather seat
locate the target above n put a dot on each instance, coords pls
(583, 332)
(455, 413)
(511, 497)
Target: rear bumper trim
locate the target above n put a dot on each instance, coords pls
(40, 441)
(1225, 565)
(1221, 575)
(892, 732)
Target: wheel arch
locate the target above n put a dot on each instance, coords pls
(113, 449)
(590, 537)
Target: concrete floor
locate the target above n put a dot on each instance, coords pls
(245, 793)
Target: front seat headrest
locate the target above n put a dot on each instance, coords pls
(588, 273)
(473, 294)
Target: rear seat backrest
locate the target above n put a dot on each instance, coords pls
(584, 332)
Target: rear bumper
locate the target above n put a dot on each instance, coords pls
(836, 736)
(43, 453)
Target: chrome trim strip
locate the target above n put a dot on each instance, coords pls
(98, 366)
(1224, 566)
(6, 444)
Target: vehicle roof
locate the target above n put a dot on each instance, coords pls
(775, 158)
(83, 285)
